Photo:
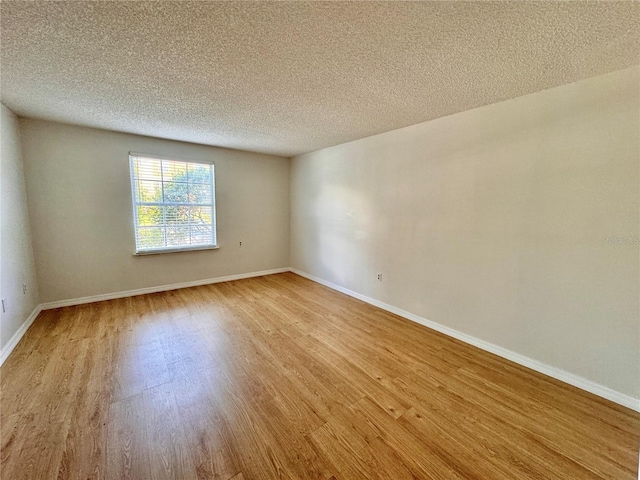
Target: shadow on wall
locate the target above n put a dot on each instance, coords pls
(353, 219)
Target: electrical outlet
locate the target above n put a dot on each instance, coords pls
(379, 277)
(239, 244)
(24, 288)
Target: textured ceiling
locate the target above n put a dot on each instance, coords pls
(291, 77)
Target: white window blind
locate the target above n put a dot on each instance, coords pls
(173, 204)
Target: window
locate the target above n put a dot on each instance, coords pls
(173, 204)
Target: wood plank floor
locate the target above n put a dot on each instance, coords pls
(279, 377)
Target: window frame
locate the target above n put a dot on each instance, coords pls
(135, 204)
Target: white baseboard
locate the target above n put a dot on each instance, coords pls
(6, 351)
(536, 365)
(159, 288)
(562, 375)
(8, 348)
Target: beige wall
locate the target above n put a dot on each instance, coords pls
(17, 266)
(494, 222)
(80, 201)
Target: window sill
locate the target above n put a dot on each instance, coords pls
(175, 250)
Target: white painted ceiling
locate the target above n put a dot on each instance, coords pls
(292, 77)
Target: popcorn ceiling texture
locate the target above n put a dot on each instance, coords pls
(291, 77)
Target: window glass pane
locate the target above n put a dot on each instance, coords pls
(149, 191)
(201, 235)
(201, 216)
(150, 237)
(177, 215)
(148, 169)
(174, 171)
(199, 173)
(200, 193)
(177, 236)
(150, 216)
(176, 192)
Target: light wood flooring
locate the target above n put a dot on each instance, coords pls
(278, 377)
